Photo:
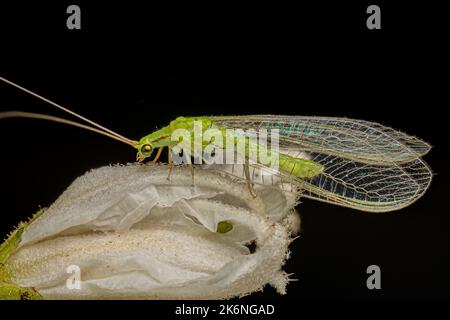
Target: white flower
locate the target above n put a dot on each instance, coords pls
(135, 235)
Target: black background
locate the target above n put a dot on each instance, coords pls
(133, 68)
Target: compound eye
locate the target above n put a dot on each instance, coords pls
(146, 149)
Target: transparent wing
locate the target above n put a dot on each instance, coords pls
(356, 139)
(367, 166)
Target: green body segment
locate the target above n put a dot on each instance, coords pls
(301, 168)
(162, 137)
(293, 166)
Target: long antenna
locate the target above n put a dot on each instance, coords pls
(21, 114)
(64, 109)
